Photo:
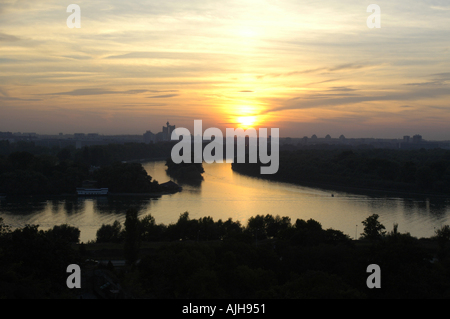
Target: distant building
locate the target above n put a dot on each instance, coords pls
(406, 138)
(165, 135)
(417, 138)
(160, 137)
(328, 137)
(6, 135)
(167, 131)
(149, 137)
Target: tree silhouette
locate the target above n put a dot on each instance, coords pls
(110, 233)
(373, 229)
(443, 238)
(132, 236)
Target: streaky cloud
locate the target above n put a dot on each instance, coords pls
(342, 67)
(298, 103)
(97, 91)
(163, 96)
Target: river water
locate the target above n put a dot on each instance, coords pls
(225, 194)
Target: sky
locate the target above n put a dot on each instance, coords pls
(305, 67)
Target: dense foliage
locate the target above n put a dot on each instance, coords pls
(22, 173)
(25, 173)
(96, 155)
(185, 172)
(400, 170)
(125, 178)
(33, 262)
(272, 258)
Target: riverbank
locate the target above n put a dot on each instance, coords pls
(70, 195)
(344, 188)
(419, 173)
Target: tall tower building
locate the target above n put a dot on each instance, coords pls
(167, 131)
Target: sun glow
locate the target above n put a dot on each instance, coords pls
(247, 121)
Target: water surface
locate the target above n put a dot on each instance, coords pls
(225, 194)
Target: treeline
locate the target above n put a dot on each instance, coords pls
(33, 262)
(271, 257)
(401, 170)
(125, 178)
(22, 173)
(96, 155)
(203, 229)
(185, 172)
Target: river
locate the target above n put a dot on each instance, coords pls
(225, 194)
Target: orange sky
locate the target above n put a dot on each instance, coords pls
(306, 67)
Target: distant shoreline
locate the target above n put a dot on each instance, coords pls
(93, 196)
(343, 188)
(143, 160)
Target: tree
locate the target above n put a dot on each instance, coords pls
(373, 229)
(443, 236)
(64, 155)
(149, 230)
(132, 236)
(185, 172)
(110, 233)
(126, 178)
(64, 233)
(256, 225)
(4, 229)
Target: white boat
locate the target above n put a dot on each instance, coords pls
(92, 191)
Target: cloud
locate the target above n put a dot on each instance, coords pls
(163, 96)
(169, 55)
(8, 98)
(440, 8)
(4, 92)
(304, 102)
(340, 89)
(6, 60)
(342, 67)
(161, 91)
(444, 76)
(438, 79)
(97, 91)
(425, 83)
(8, 38)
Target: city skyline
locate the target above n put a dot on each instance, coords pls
(305, 68)
(167, 130)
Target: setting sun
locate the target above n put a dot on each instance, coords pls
(247, 120)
